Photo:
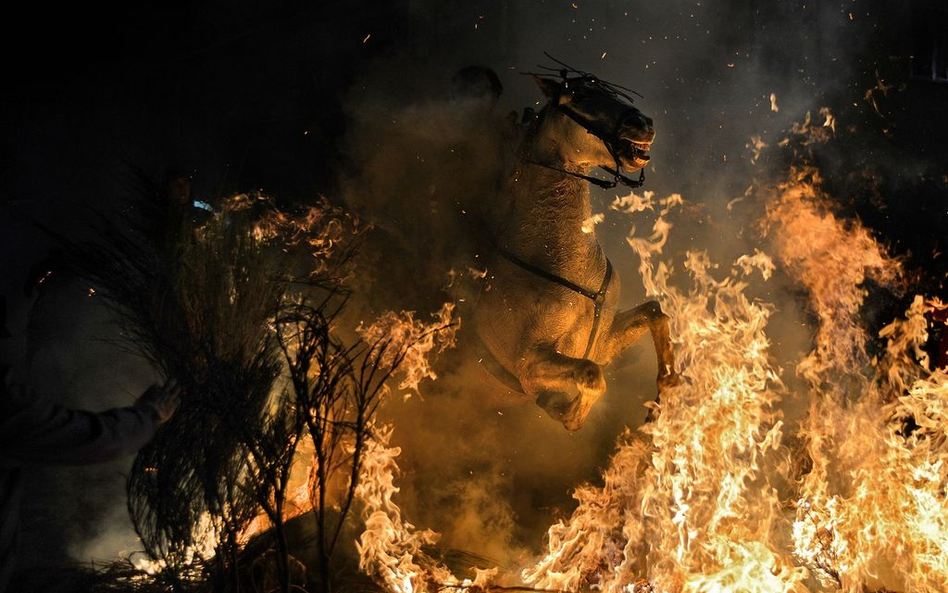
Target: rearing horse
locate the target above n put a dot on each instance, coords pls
(548, 320)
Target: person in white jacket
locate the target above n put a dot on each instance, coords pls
(37, 431)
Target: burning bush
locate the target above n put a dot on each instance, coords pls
(239, 309)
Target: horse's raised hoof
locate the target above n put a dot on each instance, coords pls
(575, 421)
(589, 377)
(571, 411)
(557, 404)
(575, 417)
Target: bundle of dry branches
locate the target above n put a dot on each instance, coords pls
(225, 307)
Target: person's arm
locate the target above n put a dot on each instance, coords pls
(35, 430)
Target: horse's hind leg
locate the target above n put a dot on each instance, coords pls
(565, 387)
(629, 326)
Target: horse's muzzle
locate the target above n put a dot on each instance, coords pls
(633, 155)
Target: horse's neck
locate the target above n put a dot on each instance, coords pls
(545, 218)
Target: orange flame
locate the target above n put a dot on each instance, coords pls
(402, 333)
(390, 548)
(690, 511)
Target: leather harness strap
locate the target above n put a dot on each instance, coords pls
(598, 298)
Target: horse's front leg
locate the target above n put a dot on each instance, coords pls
(565, 387)
(629, 326)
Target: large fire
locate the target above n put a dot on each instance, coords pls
(716, 492)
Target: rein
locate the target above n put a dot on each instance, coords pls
(598, 298)
(617, 177)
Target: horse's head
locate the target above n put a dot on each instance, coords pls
(589, 123)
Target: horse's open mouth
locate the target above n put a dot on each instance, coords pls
(634, 155)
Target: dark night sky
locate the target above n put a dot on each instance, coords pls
(253, 95)
(261, 95)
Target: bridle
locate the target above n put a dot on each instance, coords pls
(610, 138)
(598, 298)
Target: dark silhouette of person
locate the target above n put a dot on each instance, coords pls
(37, 431)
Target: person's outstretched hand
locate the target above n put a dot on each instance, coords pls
(164, 399)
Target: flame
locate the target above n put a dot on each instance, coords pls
(402, 333)
(299, 498)
(390, 548)
(689, 511)
(872, 511)
(204, 535)
(697, 500)
(756, 146)
(832, 258)
(633, 202)
(808, 132)
(589, 225)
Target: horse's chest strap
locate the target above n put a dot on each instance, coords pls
(598, 298)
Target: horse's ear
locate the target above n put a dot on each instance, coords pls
(549, 86)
